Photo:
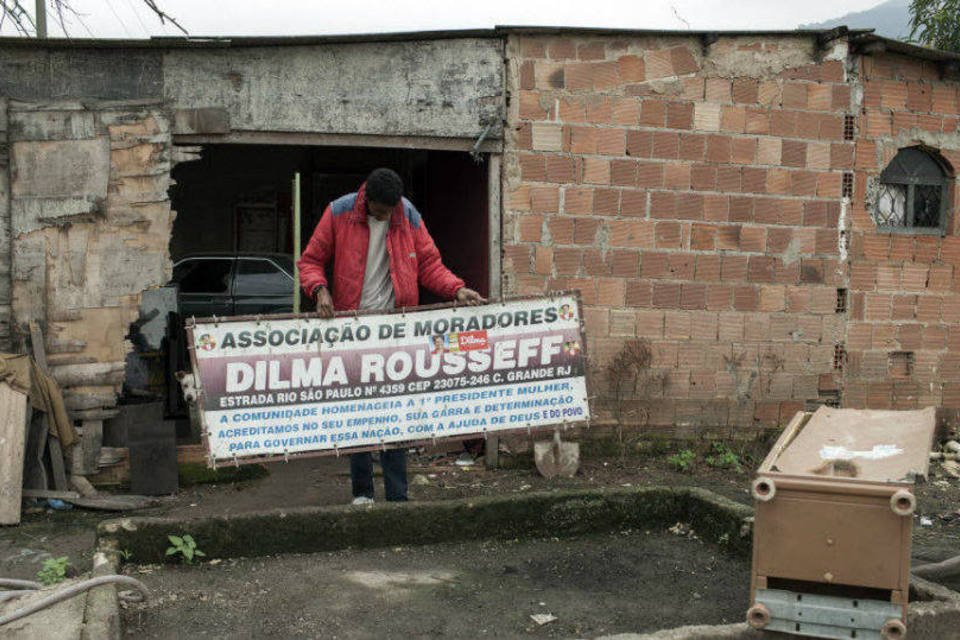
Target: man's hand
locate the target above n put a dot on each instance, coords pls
(469, 297)
(324, 303)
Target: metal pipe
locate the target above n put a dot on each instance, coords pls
(71, 591)
(41, 18)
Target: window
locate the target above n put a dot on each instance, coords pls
(261, 278)
(203, 276)
(914, 193)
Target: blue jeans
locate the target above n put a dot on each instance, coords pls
(394, 465)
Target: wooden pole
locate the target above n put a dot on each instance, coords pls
(296, 242)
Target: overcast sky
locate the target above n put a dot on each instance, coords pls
(130, 19)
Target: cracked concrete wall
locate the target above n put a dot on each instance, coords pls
(445, 88)
(91, 222)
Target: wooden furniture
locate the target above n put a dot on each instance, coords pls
(834, 515)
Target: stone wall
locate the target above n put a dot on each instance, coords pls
(90, 222)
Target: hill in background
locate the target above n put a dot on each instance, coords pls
(890, 19)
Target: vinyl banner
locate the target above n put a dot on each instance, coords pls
(279, 386)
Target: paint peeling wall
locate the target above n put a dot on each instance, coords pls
(90, 221)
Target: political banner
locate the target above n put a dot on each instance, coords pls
(276, 387)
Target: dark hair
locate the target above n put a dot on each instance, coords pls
(384, 186)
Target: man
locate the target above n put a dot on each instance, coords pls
(381, 254)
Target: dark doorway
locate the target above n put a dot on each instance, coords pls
(237, 199)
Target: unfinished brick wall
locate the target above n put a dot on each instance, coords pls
(692, 191)
(903, 337)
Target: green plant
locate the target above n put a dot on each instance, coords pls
(186, 547)
(54, 570)
(936, 23)
(682, 460)
(723, 457)
(126, 554)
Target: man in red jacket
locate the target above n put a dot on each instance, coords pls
(381, 255)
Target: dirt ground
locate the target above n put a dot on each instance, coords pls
(624, 582)
(325, 481)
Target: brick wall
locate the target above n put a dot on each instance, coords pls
(692, 192)
(903, 336)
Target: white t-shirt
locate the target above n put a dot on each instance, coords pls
(377, 291)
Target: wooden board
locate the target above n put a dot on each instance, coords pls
(13, 435)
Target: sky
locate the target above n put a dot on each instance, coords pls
(131, 19)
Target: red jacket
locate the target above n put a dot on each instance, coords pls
(343, 234)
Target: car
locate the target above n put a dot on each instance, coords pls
(226, 284)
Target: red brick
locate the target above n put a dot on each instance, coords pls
(692, 146)
(545, 199)
(606, 202)
(543, 260)
(654, 265)
(639, 294)
(666, 145)
(693, 296)
(532, 168)
(794, 153)
(562, 49)
(746, 298)
(653, 113)
(733, 268)
(716, 208)
(668, 235)
(744, 150)
(733, 119)
(567, 261)
(633, 203)
(778, 239)
(631, 233)
(578, 200)
(561, 229)
(624, 264)
(631, 68)
(676, 176)
(719, 149)
(689, 206)
(719, 298)
(746, 90)
(585, 231)
(752, 239)
(560, 169)
(611, 291)
(729, 179)
(708, 267)
(623, 173)
(742, 209)
(679, 115)
(591, 51)
(529, 228)
(666, 295)
(703, 237)
(754, 180)
(639, 144)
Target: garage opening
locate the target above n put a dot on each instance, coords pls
(232, 241)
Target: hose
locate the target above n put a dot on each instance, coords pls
(20, 584)
(71, 591)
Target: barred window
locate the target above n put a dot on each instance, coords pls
(913, 194)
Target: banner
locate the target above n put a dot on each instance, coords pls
(281, 386)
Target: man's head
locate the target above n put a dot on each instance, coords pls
(384, 190)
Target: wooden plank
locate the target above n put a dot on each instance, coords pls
(13, 434)
(34, 469)
(56, 463)
(36, 341)
(59, 495)
(92, 439)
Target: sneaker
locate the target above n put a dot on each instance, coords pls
(362, 500)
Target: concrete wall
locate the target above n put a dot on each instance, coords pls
(692, 192)
(445, 88)
(5, 343)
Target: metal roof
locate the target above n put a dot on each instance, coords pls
(859, 37)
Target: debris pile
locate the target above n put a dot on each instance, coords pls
(948, 456)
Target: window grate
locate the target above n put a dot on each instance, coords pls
(839, 356)
(841, 301)
(912, 193)
(847, 185)
(849, 126)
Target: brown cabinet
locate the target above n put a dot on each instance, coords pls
(834, 515)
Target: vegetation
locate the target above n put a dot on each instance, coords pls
(723, 457)
(184, 546)
(683, 460)
(54, 571)
(936, 23)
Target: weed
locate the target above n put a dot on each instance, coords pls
(54, 571)
(683, 460)
(723, 457)
(126, 554)
(186, 547)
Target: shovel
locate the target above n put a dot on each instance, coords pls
(555, 458)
